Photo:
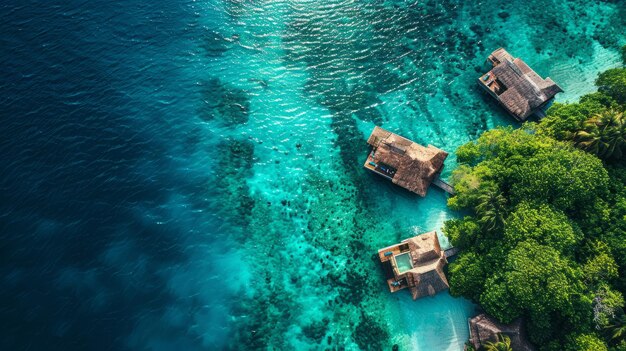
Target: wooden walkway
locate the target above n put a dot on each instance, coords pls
(444, 186)
(451, 251)
(543, 110)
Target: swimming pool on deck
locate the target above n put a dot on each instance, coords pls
(403, 262)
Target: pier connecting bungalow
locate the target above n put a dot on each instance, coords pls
(415, 264)
(519, 89)
(407, 164)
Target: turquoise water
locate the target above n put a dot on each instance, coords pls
(188, 174)
(330, 71)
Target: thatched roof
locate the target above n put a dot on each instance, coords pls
(426, 277)
(430, 282)
(416, 166)
(428, 262)
(484, 329)
(523, 90)
(500, 55)
(424, 247)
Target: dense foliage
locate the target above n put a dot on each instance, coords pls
(604, 134)
(613, 83)
(544, 235)
(503, 344)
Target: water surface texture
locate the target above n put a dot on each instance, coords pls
(187, 175)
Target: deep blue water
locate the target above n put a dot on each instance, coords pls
(186, 174)
(92, 103)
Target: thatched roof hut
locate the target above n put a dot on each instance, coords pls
(519, 89)
(405, 163)
(417, 264)
(485, 329)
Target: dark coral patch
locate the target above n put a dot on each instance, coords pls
(224, 103)
(233, 169)
(316, 330)
(214, 44)
(369, 335)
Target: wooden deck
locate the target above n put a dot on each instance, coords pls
(444, 186)
(386, 253)
(370, 164)
(491, 83)
(395, 285)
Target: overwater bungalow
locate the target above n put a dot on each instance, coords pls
(520, 90)
(415, 264)
(485, 329)
(407, 164)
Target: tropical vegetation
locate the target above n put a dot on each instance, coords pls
(543, 236)
(503, 344)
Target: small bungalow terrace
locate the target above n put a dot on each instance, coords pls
(415, 264)
(519, 89)
(407, 164)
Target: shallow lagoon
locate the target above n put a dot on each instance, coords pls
(212, 152)
(333, 70)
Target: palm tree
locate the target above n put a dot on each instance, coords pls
(503, 344)
(618, 328)
(491, 209)
(604, 134)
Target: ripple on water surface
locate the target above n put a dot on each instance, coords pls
(320, 75)
(212, 151)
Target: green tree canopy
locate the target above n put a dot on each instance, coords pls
(562, 176)
(503, 344)
(617, 328)
(612, 82)
(543, 224)
(607, 307)
(541, 281)
(586, 342)
(535, 281)
(470, 274)
(491, 209)
(600, 268)
(523, 165)
(463, 233)
(604, 135)
(564, 120)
